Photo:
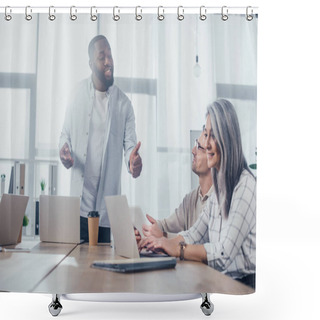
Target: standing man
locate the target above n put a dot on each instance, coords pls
(99, 127)
(192, 204)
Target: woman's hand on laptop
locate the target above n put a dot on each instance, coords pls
(170, 246)
(153, 229)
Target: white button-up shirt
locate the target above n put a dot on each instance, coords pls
(119, 137)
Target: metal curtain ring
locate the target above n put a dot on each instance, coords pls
(52, 16)
(7, 16)
(203, 13)
(116, 17)
(224, 13)
(180, 15)
(160, 16)
(138, 16)
(93, 17)
(28, 15)
(249, 17)
(73, 16)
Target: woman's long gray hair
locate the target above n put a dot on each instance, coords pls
(226, 133)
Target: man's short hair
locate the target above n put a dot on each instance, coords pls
(93, 41)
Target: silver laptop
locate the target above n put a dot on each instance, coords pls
(122, 228)
(12, 210)
(59, 219)
(125, 242)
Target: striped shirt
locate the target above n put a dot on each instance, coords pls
(230, 242)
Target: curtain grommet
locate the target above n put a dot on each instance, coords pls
(249, 17)
(203, 13)
(180, 13)
(138, 16)
(28, 12)
(7, 16)
(116, 17)
(73, 11)
(224, 13)
(160, 16)
(52, 10)
(93, 17)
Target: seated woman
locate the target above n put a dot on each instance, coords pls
(224, 235)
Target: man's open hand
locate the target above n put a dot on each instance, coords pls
(65, 156)
(135, 161)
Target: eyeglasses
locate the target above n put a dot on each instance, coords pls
(197, 145)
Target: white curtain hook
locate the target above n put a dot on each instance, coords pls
(224, 13)
(203, 13)
(249, 17)
(73, 12)
(52, 10)
(138, 16)
(7, 16)
(180, 13)
(28, 11)
(160, 16)
(93, 17)
(116, 17)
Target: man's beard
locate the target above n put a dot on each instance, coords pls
(108, 82)
(101, 76)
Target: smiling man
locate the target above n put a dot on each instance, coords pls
(99, 127)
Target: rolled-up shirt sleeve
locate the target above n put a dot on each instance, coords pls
(65, 136)
(130, 137)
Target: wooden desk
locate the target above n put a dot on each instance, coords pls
(74, 275)
(23, 271)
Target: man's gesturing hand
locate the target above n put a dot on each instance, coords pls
(65, 156)
(153, 229)
(135, 161)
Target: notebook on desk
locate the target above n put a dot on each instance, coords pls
(12, 210)
(59, 219)
(136, 265)
(125, 242)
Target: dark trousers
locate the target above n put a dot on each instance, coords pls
(249, 280)
(104, 233)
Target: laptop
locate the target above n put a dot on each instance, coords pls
(12, 210)
(125, 242)
(59, 219)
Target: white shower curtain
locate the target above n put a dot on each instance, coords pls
(171, 71)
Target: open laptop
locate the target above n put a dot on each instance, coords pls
(125, 242)
(12, 210)
(59, 219)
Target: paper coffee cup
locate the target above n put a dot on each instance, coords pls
(93, 227)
